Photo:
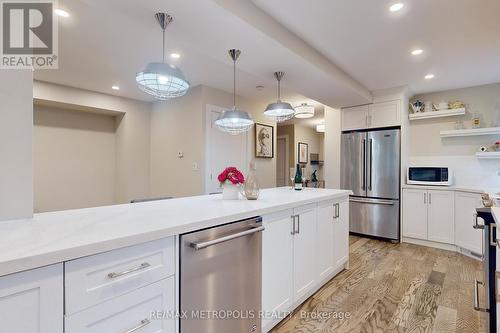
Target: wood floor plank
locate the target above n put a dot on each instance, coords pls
(393, 288)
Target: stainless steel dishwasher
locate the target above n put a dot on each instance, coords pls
(221, 278)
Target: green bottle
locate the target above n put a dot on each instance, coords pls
(298, 179)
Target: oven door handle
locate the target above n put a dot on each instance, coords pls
(202, 245)
(476, 297)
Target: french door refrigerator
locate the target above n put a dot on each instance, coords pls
(370, 168)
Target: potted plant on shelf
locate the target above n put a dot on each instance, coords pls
(230, 180)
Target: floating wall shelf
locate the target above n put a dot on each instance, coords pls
(488, 154)
(437, 114)
(471, 132)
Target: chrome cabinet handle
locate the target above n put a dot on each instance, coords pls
(337, 210)
(144, 323)
(476, 224)
(114, 275)
(430, 198)
(425, 198)
(298, 224)
(476, 297)
(293, 225)
(202, 245)
(493, 240)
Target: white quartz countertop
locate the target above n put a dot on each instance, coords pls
(460, 188)
(54, 237)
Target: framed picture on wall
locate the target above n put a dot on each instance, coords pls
(303, 152)
(264, 141)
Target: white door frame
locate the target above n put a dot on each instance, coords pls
(208, 127)
(287, 157)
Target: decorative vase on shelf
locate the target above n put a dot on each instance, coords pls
(251, 188)
(230, 191)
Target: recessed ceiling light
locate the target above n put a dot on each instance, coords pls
(429, 76)
(175, 55)
(396, 7)
(417, 52)
(115, 88)
(61, 12)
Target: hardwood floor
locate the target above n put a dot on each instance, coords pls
(393, 288)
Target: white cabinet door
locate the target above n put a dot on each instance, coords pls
(326, 239)
(277, 264)
(144, 310)
(341, 231)
(304, 251)
(354, 118)
(384, 114)
(465, 235)
(415, 213)
(32, 301)
(441, 216)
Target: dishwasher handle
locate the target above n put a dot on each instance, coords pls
(202, 245)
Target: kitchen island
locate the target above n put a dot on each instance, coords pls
(100, 262)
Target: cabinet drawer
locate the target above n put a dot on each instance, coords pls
(94, 279)
(130, 313)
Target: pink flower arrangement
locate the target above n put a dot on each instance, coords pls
(232, 174)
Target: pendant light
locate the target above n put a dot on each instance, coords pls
(279, 111)
(159, 79)
(304, 111)
(234, 121)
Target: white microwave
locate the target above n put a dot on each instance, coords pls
(429, 175)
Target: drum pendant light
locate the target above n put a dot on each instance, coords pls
(234, 121)
(279, 111)
(159, 79)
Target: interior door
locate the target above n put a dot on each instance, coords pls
(382, 164)
(304, 251)
(281, 164)
(223, 150)
(353, 163)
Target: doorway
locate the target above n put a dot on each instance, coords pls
(282, 167)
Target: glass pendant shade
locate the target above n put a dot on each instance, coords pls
(320, 128)
(162, 81)
(304, 111)
(234, 121)
(159, 79)
(279, 111)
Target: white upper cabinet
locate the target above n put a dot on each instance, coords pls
(385, 114)
(354, 118)
(415, 213)
(465, 209)
(441, 216)
(32, 301)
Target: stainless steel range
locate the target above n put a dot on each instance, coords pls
(370, 168)
(221, 278)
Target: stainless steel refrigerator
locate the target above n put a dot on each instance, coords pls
(370, 168)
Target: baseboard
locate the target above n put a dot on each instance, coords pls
(442, 246)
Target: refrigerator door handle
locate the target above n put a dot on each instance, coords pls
(371, 163)
(363, 147)
(373, 201)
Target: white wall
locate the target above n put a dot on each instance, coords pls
(428, 147)
(16, 135)
(74, 159)
(331, 148)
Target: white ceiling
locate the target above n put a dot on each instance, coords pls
(333, 51)
(106, 42)
(460, 39)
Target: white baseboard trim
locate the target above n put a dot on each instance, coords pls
(442, 246)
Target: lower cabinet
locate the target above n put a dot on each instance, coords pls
(32, 301)
(465, 216)
(301, 248)
(131, 312)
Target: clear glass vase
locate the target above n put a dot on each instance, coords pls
(251, 188)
